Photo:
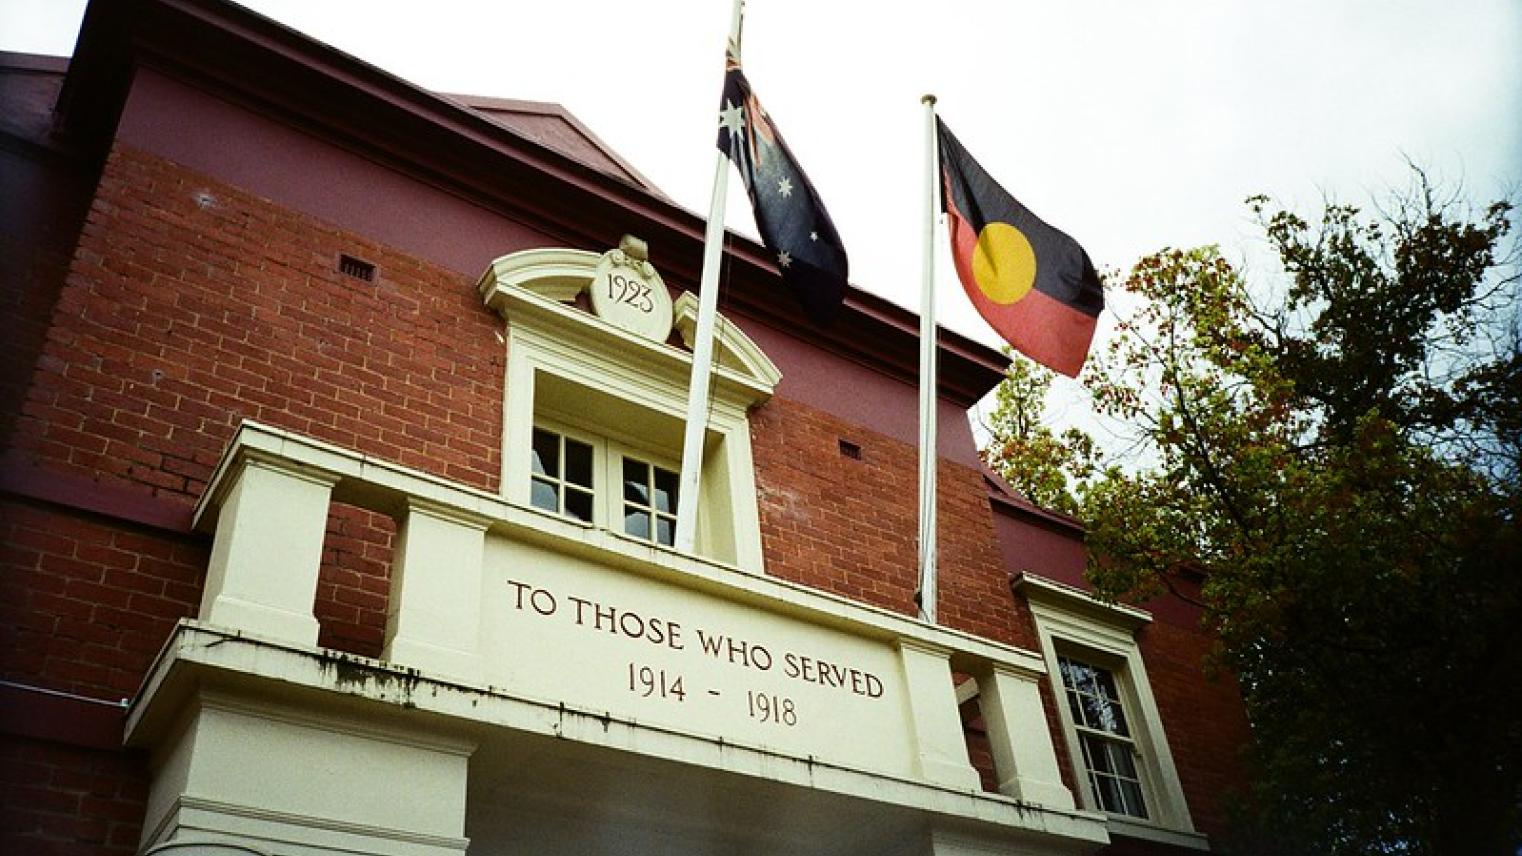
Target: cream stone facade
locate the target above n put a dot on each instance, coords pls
(511, 624)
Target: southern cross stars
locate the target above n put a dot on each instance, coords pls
(784, 260)
(732, 118)
(785, 187)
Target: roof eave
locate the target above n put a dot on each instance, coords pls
(248, 58)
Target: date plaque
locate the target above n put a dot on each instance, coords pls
(627, 292)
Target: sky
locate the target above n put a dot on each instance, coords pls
(1129, 124)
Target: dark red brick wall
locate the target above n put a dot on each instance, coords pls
(85, 605)
(1203, 717)
(1201, 712)
(86, 602)
(355, 581)
(191, 305)
(850, 526)
(58, 800)
(44, 202)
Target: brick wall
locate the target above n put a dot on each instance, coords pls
(60, 800)
(39, 221)
(851, 526)
(355, 580)
(85, 605)
(191, 305)
(85, 602)
(1204, 719)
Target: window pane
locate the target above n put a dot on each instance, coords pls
(1096, 712)
(665, 531)
(1108, 791)
(1075, 708)
(578, 504)
(1105, 683)
(1122, 760)
(637, 482)
(1096, 751)
(1106, 716)
(546, 453)
(665, 490)
(1135, 805)
(1083, 677)
(578, 463)
(637, 523)
(1116, 719)
(544, 496)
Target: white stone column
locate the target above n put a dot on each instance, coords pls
(1024, 758)
(940, 747)
(262, 576)
(518, 420)
(433, 622)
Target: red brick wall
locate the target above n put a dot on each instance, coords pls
(191, 305)
(850, 526)
(1202, 716)
(39, 222)
(1204, 719)
(86, 603)
(355, 581)
(60, 800)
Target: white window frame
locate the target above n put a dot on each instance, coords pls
(609, 450)
(599, 478)
(1071, 622)
(589, 363)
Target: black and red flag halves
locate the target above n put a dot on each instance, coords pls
(789, 215)
(1031, 282)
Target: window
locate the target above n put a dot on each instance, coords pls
(1109, 753)
(1112, 730)
(593, 413)
(567, 475)
(562, 480)
(649, 502)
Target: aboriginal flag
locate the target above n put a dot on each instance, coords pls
(792, 221)
(1032, 283)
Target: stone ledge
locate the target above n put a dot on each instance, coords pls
(199, 656)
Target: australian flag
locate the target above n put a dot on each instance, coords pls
(792, 221)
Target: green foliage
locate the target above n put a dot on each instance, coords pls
(1022, 449)
(1340, 457)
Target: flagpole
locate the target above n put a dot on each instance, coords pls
(702, 348)
(928, 434)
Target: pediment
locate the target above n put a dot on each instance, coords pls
(559, 275)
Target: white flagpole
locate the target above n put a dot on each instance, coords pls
(702, 349)
(928, 435)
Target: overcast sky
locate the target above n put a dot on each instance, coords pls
(1131, 125)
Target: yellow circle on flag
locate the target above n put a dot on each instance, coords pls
(1003, 263)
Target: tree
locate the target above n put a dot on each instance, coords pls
(1042, 465)
(1340, 456)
